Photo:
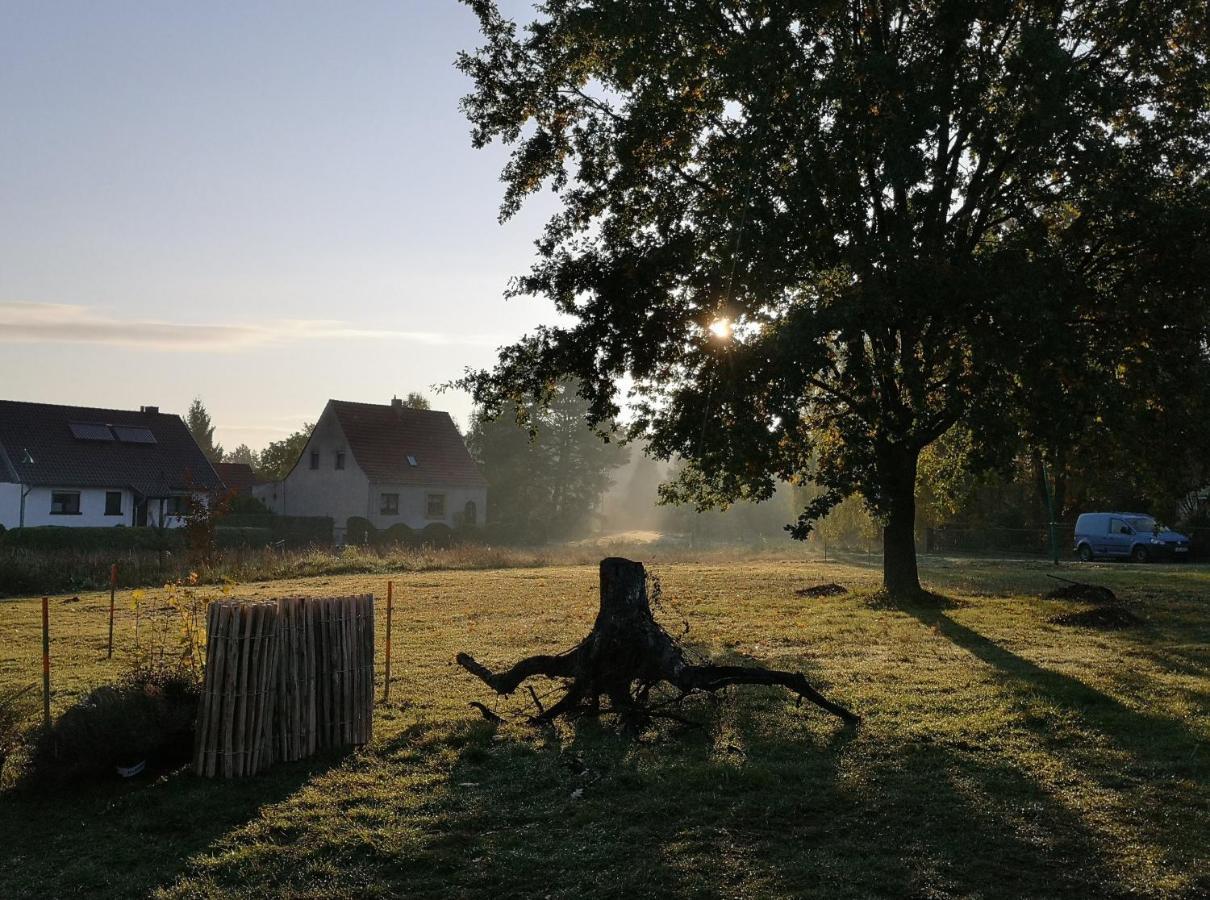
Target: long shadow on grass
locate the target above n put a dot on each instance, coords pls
(124, 839)
(1091, 731)
(761, 801)
(1152, 738)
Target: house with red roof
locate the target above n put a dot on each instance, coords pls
(387, 463)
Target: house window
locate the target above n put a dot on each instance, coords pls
(390, 505)
(340, 459)
(175, 506)
(314, 459)
(434, 506)
(65, 503)
(411, 461)
(113, 503)
(470, 514)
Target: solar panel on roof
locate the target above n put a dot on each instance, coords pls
(134, 434)
(90, 431)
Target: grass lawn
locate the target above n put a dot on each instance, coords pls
(1000, 756)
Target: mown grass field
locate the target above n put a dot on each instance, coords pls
(1000, 756)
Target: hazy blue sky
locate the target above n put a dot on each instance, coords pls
(266, 204)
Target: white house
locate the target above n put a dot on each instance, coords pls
(76, 465)
(385, 463)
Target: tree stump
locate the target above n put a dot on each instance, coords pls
(627, 654)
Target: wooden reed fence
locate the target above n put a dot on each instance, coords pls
(284, 680)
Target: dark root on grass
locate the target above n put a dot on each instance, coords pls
(831, 589)
(1102, 618)
(1084, 593)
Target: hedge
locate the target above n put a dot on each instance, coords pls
(294, 531)
(62, 537)
(361, 531)
(226, 537)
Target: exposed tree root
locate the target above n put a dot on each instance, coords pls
(627, 654)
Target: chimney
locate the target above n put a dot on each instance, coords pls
(150, 410)
(397, 405)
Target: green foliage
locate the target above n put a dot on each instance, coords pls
(243, 454)
(909, 218)
(202, 429)
(545, 480)
(228, 537)
(43, 538)
(362, 532)
(277, 459)
(416, 400)
(148, 716)
(242, 504)
(294, 531)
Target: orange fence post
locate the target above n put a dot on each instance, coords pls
(46, 661)
(113, 586)
(386, 688)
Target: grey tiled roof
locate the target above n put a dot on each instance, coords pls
(37, 447)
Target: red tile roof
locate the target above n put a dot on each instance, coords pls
(382, 438)
(237, 476)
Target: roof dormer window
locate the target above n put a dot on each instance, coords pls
(412, 461)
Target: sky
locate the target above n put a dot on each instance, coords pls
(262, 204)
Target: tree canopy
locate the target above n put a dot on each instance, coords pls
(243, 454)
(815, 237)
(202, 429)
(547, 479)
(417, 400)
(277, 459)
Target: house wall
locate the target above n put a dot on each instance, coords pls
(10, 504)
(37, 508)
(326, 491)
(413, 504)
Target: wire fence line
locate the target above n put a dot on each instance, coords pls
(1031, 541)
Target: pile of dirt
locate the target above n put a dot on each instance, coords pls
(1105, 618)
(1086, 593)
(832, 589)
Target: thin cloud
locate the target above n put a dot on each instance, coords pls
(75, 324)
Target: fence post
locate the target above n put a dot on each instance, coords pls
(386, 688)
(113, 586)
(46, 662)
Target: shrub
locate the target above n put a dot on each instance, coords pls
(437, 534)
(148, 716)
(398, 535)
(242, 504)
(359, 531)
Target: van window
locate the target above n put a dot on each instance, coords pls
(1116, 526)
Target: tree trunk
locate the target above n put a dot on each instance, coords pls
(900, 576)
(627, 654)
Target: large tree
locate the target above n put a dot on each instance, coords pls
(545, 479)
(815, 236)
(202, 429)
(277, 459)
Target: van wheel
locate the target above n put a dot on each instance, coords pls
(1085, 553)
(1139, 554)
